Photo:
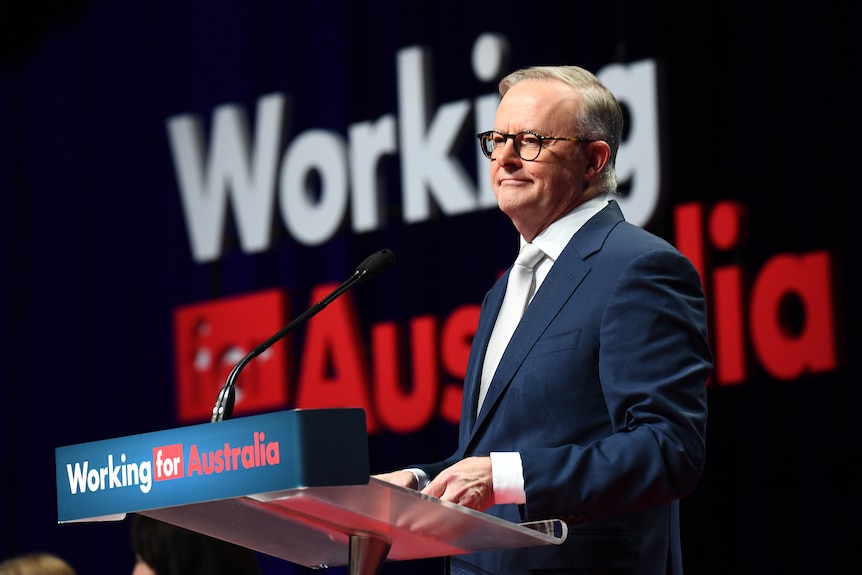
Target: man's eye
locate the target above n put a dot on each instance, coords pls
(498, 141)
(530, 141)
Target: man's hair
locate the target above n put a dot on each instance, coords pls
(599, 117)
(36, 564)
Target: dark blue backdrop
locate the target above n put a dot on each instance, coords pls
(762, 108)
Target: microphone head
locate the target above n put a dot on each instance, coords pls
(375, 263)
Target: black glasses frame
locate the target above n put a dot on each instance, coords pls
(486, 140)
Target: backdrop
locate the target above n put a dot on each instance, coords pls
(179, 179)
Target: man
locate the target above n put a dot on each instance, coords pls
(596, 412)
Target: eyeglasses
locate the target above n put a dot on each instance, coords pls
(527, 144)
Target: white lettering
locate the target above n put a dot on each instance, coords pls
(159, 464)
(114, 473)
(83, 478)
(322, 177)
(233, 169)
(145, 476)
(489, 58)
(427, 166)
(78, 477)
(93, 482)
(638, 161)
(313, 215)
(368, 144)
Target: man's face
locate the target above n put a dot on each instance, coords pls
(534, 194)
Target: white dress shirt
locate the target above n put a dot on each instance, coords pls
(506, 467)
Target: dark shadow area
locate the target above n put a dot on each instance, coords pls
(24, 23)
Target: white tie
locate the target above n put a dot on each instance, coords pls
(518, 293)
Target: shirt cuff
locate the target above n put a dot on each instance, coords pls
(421, 477)
(508, 476)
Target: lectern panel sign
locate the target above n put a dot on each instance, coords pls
(258, 454)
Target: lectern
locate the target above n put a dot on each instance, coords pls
(292, 484)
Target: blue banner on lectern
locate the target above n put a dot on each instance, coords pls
(206, 462)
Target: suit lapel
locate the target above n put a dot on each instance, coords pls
(554, 293)
(562, 281)
(490, 308)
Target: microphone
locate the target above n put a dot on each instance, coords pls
(370, 267)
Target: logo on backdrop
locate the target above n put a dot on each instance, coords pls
(211, 337)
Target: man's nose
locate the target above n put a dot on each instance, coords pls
(506, 153)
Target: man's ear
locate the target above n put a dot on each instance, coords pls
(598, 154)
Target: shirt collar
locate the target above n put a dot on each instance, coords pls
(555, 237)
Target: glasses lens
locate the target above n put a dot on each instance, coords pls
(486, 143)
(528, 146)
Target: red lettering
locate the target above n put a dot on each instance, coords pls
(728, 339)
(247, 457)
(791, 319)
(456, 339)
(194, 461)
(792, 325)
(226, 452)
(405, 406)
(688, 224)
(333, 372)
(784, 318)
(256, 454)
(209, 464)
(727, 231)
(259, 448)
(273, 455)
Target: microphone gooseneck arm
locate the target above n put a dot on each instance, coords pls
(370, 267)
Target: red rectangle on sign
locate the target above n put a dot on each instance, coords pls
(211, 337)
(168, 462)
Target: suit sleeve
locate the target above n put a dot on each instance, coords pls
(653, 361)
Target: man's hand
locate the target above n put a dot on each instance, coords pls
(469, 483)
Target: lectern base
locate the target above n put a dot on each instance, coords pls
(367, 554)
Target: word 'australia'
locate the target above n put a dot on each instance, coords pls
(232, 458)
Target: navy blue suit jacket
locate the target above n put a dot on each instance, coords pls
(602, 392)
